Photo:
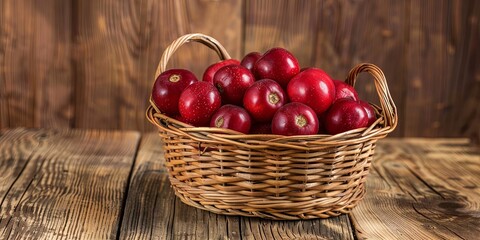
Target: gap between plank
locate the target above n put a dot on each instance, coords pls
(127, 188)
(18, 176)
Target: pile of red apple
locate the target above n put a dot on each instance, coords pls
(262, 94)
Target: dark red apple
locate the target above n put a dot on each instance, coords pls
(312, 87)
(277, 64)
(250, 59)
(261, 128)
(232, 81)
(212, 69)
(198, 102)
(344, 115)
(168, 87)
(370, 112)
(343, 90)
(295, 119)
(263, 99)
(232, 117)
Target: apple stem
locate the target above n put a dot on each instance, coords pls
(174, 78)
(301, 121)
(273, 98)
(219, 122)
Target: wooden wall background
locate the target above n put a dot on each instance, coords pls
(90, 64)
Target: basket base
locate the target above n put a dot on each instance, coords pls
(311, 209)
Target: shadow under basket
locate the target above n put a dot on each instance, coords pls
(270, 176)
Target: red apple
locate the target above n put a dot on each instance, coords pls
(261, 128)
(295, 119)
(232, 81)
(277, 64)
(198, 102)
(344, 115)
(231, 117)
(250, 59)
(168, 87)
(212, 69)
(343, 90)
(370, 112)
(312, 87)
(263, 99)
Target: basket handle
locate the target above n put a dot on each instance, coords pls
(193, 37)
(389, 109)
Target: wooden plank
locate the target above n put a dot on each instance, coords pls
(193, 223)
(73, 186)
(288, 24)
(116, 59)
(465, 118)
(16, 149)
(35, 67)
(150, 203)
(421, 189)
(442, 59)
(330, 228)
(152, 211)
(352, 32)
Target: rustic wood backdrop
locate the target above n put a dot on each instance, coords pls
(90, 64)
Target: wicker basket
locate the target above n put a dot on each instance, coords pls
(270, 176)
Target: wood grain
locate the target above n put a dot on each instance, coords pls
(331, 228)
(150, 203)
(421, 189)
(16, 149)
(73, 186)
(193, 223)
(288, 24)
(35, 71)
(352, 32)
(442, 47)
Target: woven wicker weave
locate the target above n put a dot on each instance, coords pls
(270, 176)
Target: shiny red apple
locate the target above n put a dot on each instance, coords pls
(370, 112)
(312, 87)
(167, 89)
(198, 102)
(263, 99)
(277, 64)
(232, 81)
(344, 115)
(250, 59)
(343, 90)
(232, 117)
(212, 69)
(295, 119)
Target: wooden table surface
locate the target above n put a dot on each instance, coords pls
(104, 185)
